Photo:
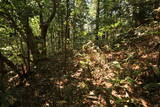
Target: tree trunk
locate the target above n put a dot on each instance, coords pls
(158, 62)
(44, 25)
(30, 41)
(97, 19)
(4, 59)
(67, 34)
(44, 34)
(2, 74)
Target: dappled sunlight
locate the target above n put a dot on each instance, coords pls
(79, 53)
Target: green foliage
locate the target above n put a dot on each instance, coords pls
(34, 23)
(86, 62)
(125, 31)
(116, 64)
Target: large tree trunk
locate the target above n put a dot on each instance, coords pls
(44, 25)
(31, 41)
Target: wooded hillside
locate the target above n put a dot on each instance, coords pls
(79, 53)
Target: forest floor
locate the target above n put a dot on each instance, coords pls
(94, 77)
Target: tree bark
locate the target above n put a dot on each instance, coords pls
(44, 25)
(97, 19)
(67, 34)
(30, 40)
